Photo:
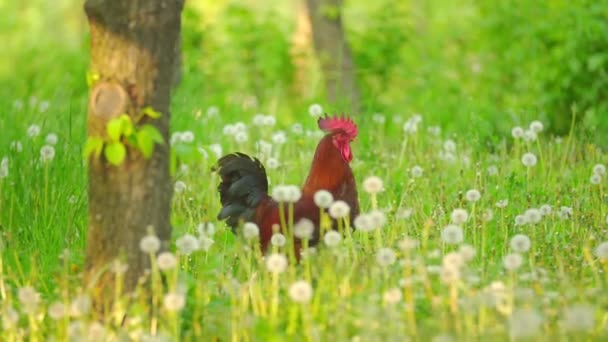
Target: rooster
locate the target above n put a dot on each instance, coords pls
(244, 187)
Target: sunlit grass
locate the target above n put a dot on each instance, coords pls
(458, 242)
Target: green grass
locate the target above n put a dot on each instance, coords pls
(558, 293)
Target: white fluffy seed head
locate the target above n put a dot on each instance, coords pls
(180, 187)
(278, 240)
(339, 209)
(512, 261)
(533, 216)
(332, 238)
(520, 220)
(467, 252)
(545, 209)
(392, 296)
(520, 243)
(595, 179)
(578, 318)
(536, 126)
(385, 257)
(323, 199)
(280, 193)
(473, 195)
(373, 185)
(599, 169)
(304, 229)
(276, 263)
(601, 251)
(363, 223)
(250, 230)
(452, 234)
(459, 216)
(517, 132)
(174, 301)
(529, 159)
(293, 193)
(449, 146)
(149, 244)
(47, 153)
(315, 110)
(416, 171)
(524, 323)
(301, 291)
(502, 203)
(187, 244)
(166, 261)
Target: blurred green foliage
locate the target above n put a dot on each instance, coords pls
(493, 64)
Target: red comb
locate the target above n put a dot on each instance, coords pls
(336, 123)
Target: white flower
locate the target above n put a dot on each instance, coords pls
(459, 216)
(29, 299)
(229, 130)
(408, 243)
(520, 220)
(404, 213)
(304, 229)
(385, 257)
(80, 306)
(149, 244)
(601, 251)
(47, 153)
(187, 244)
(280, 193)
(339, 209)
(487, 215)
(269, 120)
(536, 126)
(533, 216)
(166, 261)
(258, 120)
(512, 261)
(517, 132)
(250, 230)
(530, 135)
(363, 223)
(297, 128)
(520, 243)
(293, 193)
(216, 149)
(187, 137)
(449, 146)
(545, 209)
(595, 179)
(449, 275)
(473, 195)
(579, 317)
(599, 169)
(180, 186)
(4, 168)
(57, 311)
(434, 130)
(378, 218)
(278, 240)
(205, 242)
(272, 163)
(315, 110)
(174, 301)
(502, 203)
(323, 199)
(467, 252)
(300, 291)
(51, 139)
(206, 228)
(33, 131)
(373, 185)
(279, 138)
(378, 118)
(529, 159)
(453, 260)
(392, 296)
(492, 170)
(416, 171)
(524, 323)
(332, 238)
(452, 234)
(276, 263)
(175, 138)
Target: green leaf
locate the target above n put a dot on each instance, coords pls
(114, 129)
(127, 125)
(147, 136)
(153, 132)
(149, 111)
(115, 153)
(93, 145)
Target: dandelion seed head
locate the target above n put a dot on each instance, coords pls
(449, 146)
(332, 238)
(29, 299)
(467, 252)
(304, 229)
(323, 199)
(300, 291)
(180, 187)
(276, 263)
(545, 209)
(269, 120)
(149, 244)
(502, 203)
(33, 131)
(512, 261)
(520, 220)
(487, 215)
(529, 159)
(595, 179)
(166, 261)
(601, 251)
(174, 301)
(280, 193)
(530, 136)
(293, 193)
(492, 170)
(408, 243)
(453, 260)
(47, 153)
(599, 169)
(473, 195)
(279, 138)
(187, 137)
(80, 305)
(524, 323)
(565, 212)
(520, 243)
(250, 230)
(278, 240)
(392, 296)
(373, 185)
(459, 216)
(416, 171)
(385, 257)
(213, 111)
(578, 318)
(363, 223)
(187, 244)
(57, 311)
(339, 209)
(315, 110)
(536, 126)
(452, 234)
(241, 137)
(517, 132)
(533, 216)
(449, 275)
(272, 163)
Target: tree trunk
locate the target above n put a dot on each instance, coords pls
(134, 51)
(333, 51)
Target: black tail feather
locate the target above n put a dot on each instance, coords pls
(243, 185)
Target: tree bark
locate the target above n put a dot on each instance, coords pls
(134, 51)
(333, 51)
